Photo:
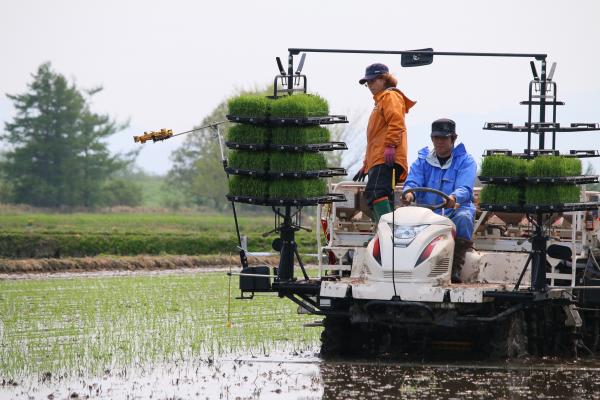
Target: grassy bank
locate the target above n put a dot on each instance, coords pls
(25, 234)
(67, 327)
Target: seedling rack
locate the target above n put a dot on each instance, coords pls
(324, 173)
(287, 211)
(304, 148)
(528, 153)
(542, 93)
(295, 121)
(532, 180)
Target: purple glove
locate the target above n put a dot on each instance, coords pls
(389, 155)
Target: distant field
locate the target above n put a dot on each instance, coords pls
(32, 234)
(155, 223)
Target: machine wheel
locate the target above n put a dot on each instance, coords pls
(339, 338)
(509, 339)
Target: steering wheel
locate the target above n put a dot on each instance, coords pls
(427, 190)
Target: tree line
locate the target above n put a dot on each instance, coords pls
(56, 155)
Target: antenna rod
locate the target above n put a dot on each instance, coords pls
(290, 74)
(537, 56)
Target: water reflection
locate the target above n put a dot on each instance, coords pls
(304, 376)
(529, 380)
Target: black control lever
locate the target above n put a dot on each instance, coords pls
(271, 231)
(534, 71)
(303, 228)
(551, 73)
(299, 69)
(280, 66)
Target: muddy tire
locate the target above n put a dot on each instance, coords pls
(509, 338)
(338, 339)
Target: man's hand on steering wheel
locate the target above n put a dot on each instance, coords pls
(410, 194)
(407, 198)
(451, 202)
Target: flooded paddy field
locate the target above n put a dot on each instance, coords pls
(165, 336)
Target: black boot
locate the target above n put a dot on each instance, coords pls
(461, 246)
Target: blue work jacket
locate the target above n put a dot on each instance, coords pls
(455, 177)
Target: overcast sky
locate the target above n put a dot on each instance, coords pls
(168, 64)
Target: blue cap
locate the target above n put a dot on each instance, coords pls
(373, 71)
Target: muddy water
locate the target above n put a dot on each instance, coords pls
(305, 376)
(184, 308)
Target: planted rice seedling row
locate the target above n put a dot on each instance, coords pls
(72, 327)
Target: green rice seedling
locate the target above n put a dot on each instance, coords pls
(249, 105)
(248, 186)
(78, 326)
(572, 166)
(297, 188)
(300, 135)
(246, 159)
(300, 105)
(297, 162)
(554, 166)
(487, 195)
(501, 165)
(497, 194)
(509, 195)
(251, 134)
(551, 194)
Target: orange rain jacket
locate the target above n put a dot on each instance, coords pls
(386, 128)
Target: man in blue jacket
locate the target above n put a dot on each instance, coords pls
(449, 169)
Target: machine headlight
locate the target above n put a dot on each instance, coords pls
(405, 234)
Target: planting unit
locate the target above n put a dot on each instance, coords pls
(276, 159)
(531, 285)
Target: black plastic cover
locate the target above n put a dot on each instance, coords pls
(416, 59)
(255, 283)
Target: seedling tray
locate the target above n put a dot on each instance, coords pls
(541, 127)
(331, 146)
(544, 208)
(324, 173)
(301, 121)
(245, 172)
(537, 152)
(246, 146)
(511, 180)
(302, 148)
(309, 201)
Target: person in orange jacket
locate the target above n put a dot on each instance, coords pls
(386, 139)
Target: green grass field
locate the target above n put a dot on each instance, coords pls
(37, 234)
(69, 327)
(142, 223)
